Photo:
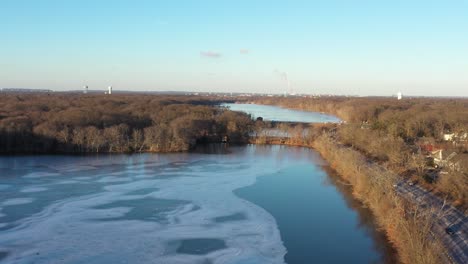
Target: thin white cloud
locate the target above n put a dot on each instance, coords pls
(244, 51)
(211, 54)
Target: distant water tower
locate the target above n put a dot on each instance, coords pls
(399, 96)
(109, 90)
(85, 91)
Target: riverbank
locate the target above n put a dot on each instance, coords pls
(407, 228)
(424, 139)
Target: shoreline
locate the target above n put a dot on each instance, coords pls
(391, 228)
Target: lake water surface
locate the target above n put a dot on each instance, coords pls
(250, 204)
(276, 113)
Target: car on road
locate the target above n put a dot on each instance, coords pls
(413, 182)
(450, 230)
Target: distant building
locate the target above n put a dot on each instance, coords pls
(449, 137)
(441, 158)
(455, 137)
(109, 90)
(463, 137)
(452, 162)
(399, 96)
(85, 89)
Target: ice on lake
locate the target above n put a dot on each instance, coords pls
(175, 209)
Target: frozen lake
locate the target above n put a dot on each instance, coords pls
(250, 204)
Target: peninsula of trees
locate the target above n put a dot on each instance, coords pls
(78, 123)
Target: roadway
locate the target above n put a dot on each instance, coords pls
(456, 244)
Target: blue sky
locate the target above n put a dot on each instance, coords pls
(327, 47)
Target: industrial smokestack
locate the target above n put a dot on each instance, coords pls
(284, 76)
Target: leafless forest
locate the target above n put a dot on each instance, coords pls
(77, 123)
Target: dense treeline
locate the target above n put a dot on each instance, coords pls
(401, 135)
(409, 118)
(59, 123)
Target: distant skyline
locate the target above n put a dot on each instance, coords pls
(317, 47)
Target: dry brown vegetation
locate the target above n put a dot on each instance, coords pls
(41, 123)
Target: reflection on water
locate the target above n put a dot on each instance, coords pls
(144, 209)
(275, 113)
(314, 222)
(178, 208)
(200, 246)
(365, 217)
(3, 255)
(232, 217)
